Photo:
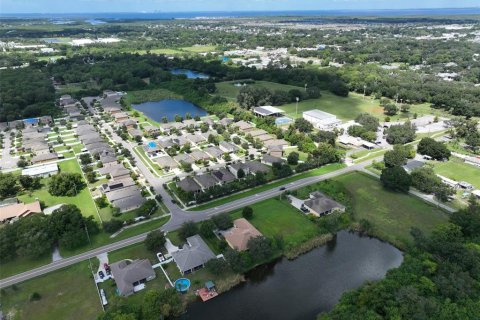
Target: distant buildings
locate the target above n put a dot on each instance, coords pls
(321, 120)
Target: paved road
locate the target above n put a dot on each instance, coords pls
(178, 216)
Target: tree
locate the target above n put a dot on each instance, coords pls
(260, 248)
(473, 140)
(443, 192)
(162, 304)
(28, 182)
(66, 184)
(138, 139)
(401, 133)
(155, 241)
(112, 225)
(8, 185)
(247, 213)
(217, 266)
(303, 125)
(390, 109)
(188, 229)
(396, 179)
(395, 158)
(223, 221)
(33, 239)
(206, 228)
(425, 179)
(368, 122)
(22, 163)
(240, 173)
(292, 158)
(434, 149)
(85, 159)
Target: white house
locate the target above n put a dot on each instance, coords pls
(41, 171)
(321, 120)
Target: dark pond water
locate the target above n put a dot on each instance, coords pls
(190, 73)
(302, 288)
(169, 108)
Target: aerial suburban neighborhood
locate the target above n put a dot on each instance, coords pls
(250, 165)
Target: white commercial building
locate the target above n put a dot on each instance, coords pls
(321, 120)
(41, 171)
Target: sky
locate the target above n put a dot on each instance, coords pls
(94, 6)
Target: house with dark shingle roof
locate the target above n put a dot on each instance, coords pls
(223, 175)
(193, 255)
(270, 160)
(320, 205)
(205, 181)
(129, 274)
(189, 185)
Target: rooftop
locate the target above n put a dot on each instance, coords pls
(193, 254)
(238, 236)
(319, 114)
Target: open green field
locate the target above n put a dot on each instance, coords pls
(68, 293)
(456, 169)
(315, 172)
(391, 214)
(82, 200)
(139, 96)
(348, 108)
(229, 91)
(274, 217)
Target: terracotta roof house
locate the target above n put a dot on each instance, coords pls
(188, 185)
(320, 205)
(193, 255)
(238, 236)
(129, 274)
(19, 210)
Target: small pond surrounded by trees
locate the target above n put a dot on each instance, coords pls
(302, 288)
(190, 73)
(156, 110)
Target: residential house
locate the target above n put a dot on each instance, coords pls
(108, 160)
(183, 157)
(151, 130)
(129, 124)
(16, 211)
(243, 126)
(129, 275)
(205, 181)
(270, 160)
(225, 121)
(413, 164)
(223, 175)
(238, 236)
(41, 171)
(116, 172)
(193, 255)
(66, 99)
(189, 185)
(126, 199)
(320, 205)
(195, 138)
(214, 152)
(166, 162)
(43, 158)
(321, 120)
(275, 142)
(120, 117)
(198, 155)
(227, 146)
(113, 185)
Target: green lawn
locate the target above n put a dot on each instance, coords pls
(139, 96)
(147, 161)
(68, 293)
(229, 91)
(458, 170)
(348, 108)
(315, 172)
(82, 200)
(275, 217)
(391, 214)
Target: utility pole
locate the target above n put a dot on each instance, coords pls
(296, 107)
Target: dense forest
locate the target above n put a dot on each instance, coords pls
(439, 278)
(25, 93)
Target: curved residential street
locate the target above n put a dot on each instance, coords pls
(179, 216)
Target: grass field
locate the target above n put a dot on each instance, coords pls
(311, 173)
(82, 200)
(65, 294)
(458, 170)
(391, 214)
(275, 217)
(229, 91)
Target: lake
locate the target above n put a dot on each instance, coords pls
(302, 288)
(169, 108)
(190, 73)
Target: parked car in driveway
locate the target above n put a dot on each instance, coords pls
(101, 274)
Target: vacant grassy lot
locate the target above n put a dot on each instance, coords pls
(348, 108)
(391, 214)
(229, 91)
(65, 294)
(274, 217)
(315, 172)
(458, 170)
(82, 200)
